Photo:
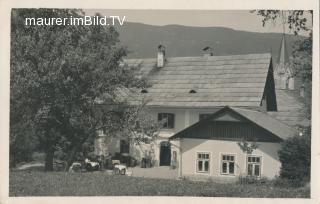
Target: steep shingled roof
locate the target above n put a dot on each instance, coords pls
(237, 80)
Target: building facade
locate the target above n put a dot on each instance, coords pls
(186, 92)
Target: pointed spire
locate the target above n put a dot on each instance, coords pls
(284, 74)
(283, 57)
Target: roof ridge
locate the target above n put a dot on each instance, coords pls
(200, 56)
(265, 113)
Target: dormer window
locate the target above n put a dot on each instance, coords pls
(144, 91)
(192, 91)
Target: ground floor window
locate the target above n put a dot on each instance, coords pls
(203, 162)
(254, 166)
(227, 164)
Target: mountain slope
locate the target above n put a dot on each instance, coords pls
(142, 40)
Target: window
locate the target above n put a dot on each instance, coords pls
(254, 166)
(203, 116)
(228, 164)
(167, 119)
(124, 146)
(203, 162)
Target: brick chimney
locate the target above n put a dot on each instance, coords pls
(207, 51)
(161, 56)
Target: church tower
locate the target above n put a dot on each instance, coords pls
(283, 72)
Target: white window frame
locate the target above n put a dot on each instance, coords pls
(197, 160)
(254, 163)
(234, 161)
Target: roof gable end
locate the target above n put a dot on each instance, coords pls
(262, 123)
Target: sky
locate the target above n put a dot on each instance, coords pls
(236, 19)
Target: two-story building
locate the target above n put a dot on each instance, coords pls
(211, 104)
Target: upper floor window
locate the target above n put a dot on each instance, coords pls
(167, 119)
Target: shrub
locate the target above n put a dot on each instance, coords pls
(289, 183)
(295, 158)
(21, 147)
(38, 156)
(253, 180)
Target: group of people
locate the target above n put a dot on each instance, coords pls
(88, 165)
(97, 165)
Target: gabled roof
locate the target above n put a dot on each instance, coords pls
(267, 122)
(237, 80)
(262, 120)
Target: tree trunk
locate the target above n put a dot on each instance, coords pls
(49, 159)
(71, 157)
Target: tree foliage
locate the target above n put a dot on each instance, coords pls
(295, 157)
(295, 19)
(57, 75)
(247, 146)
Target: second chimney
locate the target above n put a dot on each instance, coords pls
(161, 56)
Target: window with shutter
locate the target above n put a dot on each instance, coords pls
(167, 120)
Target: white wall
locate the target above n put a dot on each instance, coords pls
(270, 162)
(137, 150)
(186, 117)
(183, 117)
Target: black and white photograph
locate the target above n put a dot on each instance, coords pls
(162, 102)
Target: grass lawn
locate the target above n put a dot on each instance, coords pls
(33, 183)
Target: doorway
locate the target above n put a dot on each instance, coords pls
(165, 153)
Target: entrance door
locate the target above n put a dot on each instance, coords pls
(165, 153)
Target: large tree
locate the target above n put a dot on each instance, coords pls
(57, 75)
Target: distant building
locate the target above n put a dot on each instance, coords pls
(284, 72)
